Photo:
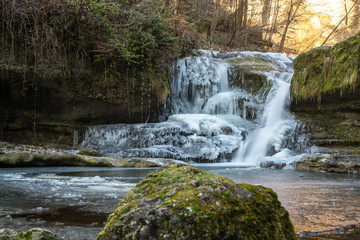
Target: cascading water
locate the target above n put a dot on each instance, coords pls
(224, 107)
(274, 122)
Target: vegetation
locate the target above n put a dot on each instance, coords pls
(89, 152)
(32, 234)
(91, 45)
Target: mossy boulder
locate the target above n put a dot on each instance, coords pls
(184, 202)
(249, 73)
(89, 152)
(32, 234)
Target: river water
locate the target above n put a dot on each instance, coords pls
(74, 202)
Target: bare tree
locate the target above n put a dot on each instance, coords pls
(265, 16)
(342, 20)
(292, 13)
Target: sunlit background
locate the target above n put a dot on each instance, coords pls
(332, 21)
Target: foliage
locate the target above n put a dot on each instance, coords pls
(109, 49)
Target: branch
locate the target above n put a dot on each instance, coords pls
(339, 23)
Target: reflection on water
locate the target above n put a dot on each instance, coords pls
(74, 201)
(316, 201)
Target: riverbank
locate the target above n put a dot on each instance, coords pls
(332, 160)
(18, 155)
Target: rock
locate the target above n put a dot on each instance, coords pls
(184, 202)
(249, 74)
(26, 159)
(32, 234)
(335, 163)
(325, 89)
(323, 71)
(267, 164)
(272, 164)
(311, 163)
(89, 152)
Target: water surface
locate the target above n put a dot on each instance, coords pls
(74, 202)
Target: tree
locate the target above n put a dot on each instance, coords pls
(292, 13)
(265, 16)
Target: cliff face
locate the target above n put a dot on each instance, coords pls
(325, 91)
(43, 110)
(65, 64)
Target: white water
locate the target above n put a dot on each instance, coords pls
(272, 125)
(213, 118)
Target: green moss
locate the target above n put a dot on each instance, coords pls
(32, 234)
(36, 159)
(249, 74)
(89, 152)
(207, 206)
(327, 70)
(251, 64)
(336, 124)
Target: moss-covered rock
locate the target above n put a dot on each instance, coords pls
(327, 70)
(184, 202)
(89, 152)
(249, 73)
(325, 92)
(32, 234)
(334, 163)
(25, 159)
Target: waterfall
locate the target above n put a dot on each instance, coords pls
(223, 107)
(273, 122)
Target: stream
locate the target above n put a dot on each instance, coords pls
(74, 202)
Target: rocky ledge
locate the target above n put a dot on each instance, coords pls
(12, 155)
(335, 161)
(184, 202)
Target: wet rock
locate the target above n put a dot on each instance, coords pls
(335, 163)
(26, 159)
(312, 163)
(32, 234)
(89, 152)
(267, 164)
(183, 202)
(272, 164)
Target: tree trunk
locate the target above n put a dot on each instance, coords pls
(291, 16)
(265, 16)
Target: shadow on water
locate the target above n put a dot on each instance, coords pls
(71, 215)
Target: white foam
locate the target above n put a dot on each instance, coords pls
(88, 179)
